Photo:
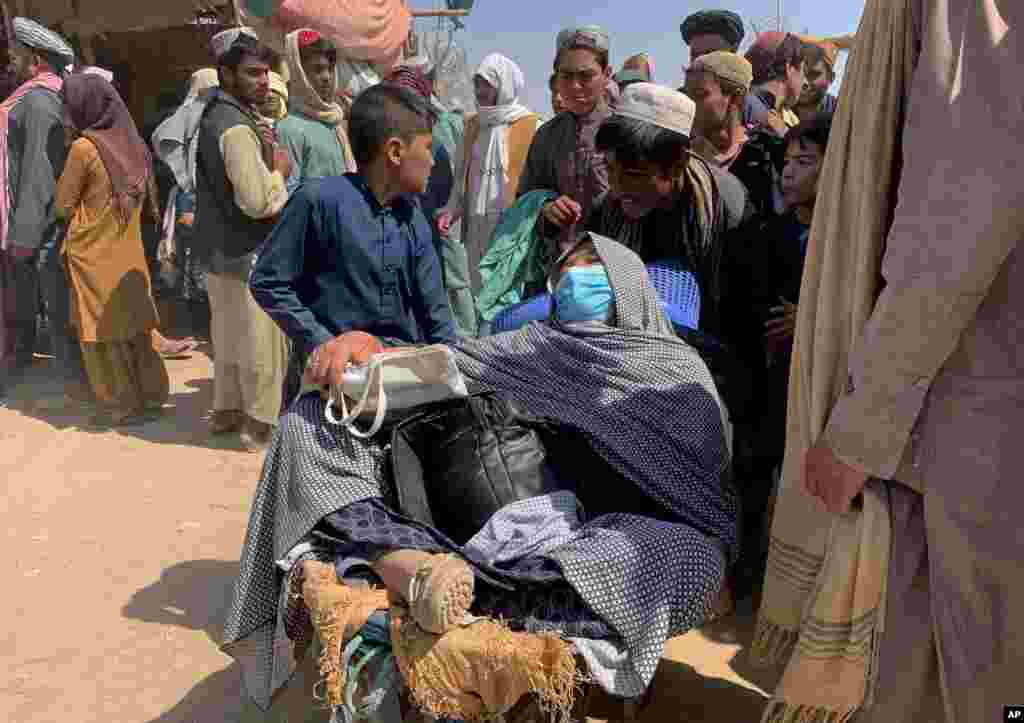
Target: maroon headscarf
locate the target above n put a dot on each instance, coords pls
(100, 115)
(414, 78)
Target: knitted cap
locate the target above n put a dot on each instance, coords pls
(727, 66)
(593, 37)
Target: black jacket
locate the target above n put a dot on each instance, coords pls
(219, 220)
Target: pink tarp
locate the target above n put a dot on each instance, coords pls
(368, 30)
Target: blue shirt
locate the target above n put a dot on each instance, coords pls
(339, 261)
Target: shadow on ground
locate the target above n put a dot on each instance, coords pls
(738, 629)
(680, 693)
(195, 595)
(183, 421)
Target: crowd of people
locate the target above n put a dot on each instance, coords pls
(316, 230)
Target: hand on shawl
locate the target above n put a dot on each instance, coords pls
(446, 218)
(831, 480)
(326, 365)
(563, 212)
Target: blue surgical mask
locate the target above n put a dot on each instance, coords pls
(584, 294)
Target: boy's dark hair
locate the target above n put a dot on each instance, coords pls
(553, 82)
(323, 46)
(788, 55)
(383, 112)
(249, 49)
(814, 54)
(815, 129)
(244, 48)
(635, 141)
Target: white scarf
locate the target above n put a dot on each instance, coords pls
(506, 76)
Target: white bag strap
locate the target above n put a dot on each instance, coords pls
(348, 418)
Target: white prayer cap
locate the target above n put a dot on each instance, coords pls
(29, 32)
(221, 43)
(657, 105)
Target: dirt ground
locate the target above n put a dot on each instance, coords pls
(121, 550)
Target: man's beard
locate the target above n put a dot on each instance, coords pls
(235, 92)
(711, 126)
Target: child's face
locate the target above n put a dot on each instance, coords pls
(801, 172)
(417, 161)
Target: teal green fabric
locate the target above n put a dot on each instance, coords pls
(515, 258)
(449, 131)
(456, 281)
(313, 146)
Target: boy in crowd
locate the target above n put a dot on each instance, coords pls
(763, 268)
(355, 252)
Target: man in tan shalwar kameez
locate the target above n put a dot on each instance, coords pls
(935, 391)
(241, 177)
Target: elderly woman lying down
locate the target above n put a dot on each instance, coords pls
(642, 549)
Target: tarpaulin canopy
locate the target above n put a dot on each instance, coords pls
(366, 30)
(86, 17)
(370, 30)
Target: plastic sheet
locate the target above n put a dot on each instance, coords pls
(369, 30)
(453, 78)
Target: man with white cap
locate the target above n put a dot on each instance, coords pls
(241, 177)
(666, 202)
(32, 140)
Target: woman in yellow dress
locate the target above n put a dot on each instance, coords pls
(100, 193)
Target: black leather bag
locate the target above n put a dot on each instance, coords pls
(459, 462)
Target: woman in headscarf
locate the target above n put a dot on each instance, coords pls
(643, 446)
(105, 181)
(493, 157)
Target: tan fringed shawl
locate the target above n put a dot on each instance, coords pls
(824, 595)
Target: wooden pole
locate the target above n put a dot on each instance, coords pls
(439, 13)
(8, 28)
